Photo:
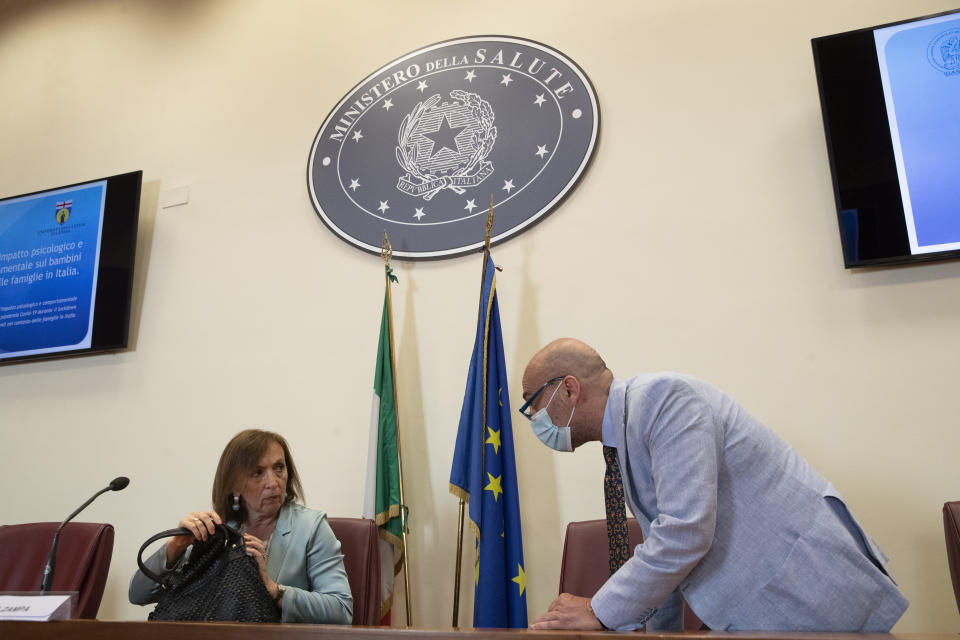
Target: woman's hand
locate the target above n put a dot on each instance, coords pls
(200, 523)
(258, 551)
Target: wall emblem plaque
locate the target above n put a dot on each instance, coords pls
(419, 146)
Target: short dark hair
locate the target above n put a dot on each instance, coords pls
(240, 458)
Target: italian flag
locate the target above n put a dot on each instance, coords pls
(382, 497)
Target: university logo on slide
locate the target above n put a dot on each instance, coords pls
(418, 148)
(944, 52)
(63, 211)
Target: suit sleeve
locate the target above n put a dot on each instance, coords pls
(328, 600)
(685, 445)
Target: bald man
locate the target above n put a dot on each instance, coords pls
(733, 519)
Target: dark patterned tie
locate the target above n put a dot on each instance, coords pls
(616, 511)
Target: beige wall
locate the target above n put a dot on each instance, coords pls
(703, 239)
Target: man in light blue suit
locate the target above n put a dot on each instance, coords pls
(734, 520)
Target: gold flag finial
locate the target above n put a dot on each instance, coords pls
(486, 242)
(386, 251)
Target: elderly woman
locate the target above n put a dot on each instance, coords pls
(257, 487)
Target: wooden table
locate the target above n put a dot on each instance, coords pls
(108, 630)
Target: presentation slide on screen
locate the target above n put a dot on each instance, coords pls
(49, 255)
(920, 72)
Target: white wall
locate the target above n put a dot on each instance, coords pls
(703, 239)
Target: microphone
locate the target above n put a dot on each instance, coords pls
(115, 485)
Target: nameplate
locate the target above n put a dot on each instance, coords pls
(38, 608)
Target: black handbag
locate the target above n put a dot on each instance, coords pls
(219, 581)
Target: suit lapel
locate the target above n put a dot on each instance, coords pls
(620, 427)
(280, 542)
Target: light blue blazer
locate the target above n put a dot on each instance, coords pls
(735, 520)
(304, 557)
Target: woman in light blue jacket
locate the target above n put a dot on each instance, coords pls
(299, 558)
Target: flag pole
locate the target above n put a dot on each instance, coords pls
(456, 577)
(386, 252)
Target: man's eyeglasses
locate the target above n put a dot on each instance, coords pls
(526, 410)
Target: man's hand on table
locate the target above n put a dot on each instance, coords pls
(568, 612)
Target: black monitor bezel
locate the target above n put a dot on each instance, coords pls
(874, 132)
(118, 248)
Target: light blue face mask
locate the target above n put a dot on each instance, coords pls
(557, 438)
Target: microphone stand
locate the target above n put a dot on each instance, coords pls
(48, 570)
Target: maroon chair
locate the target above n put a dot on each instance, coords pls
(83, 560)
(586, 566)
(951, 531)
(361, 557)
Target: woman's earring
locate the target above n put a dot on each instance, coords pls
(236, 503)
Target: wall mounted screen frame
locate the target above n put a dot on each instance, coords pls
(67, 259)
(892, 138)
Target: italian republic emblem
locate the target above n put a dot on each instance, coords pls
(432, 155)
(420, 145)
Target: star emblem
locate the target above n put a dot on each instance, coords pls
(541, 150)
(540, 100)
(470, 206)
(494, 439)
(387, 104)
(357, 135)
(470, 76)
(444, 137)
(419, 213)
(508, 185)
(520, 579)
(421, 86)
(354, 184)
(494, 486)
(507, 79)
(383, 206)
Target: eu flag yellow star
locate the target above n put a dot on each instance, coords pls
(494, 486)
(494, 439)
(520, 579)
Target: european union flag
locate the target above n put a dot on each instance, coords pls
(484, 473)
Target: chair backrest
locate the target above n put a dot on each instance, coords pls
(83, 560)
(586, 566)
(951, 531)
(361, 556)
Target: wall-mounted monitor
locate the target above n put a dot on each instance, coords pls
(890, 96)
(66, 268)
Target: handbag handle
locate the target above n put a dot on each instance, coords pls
(169, 533)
